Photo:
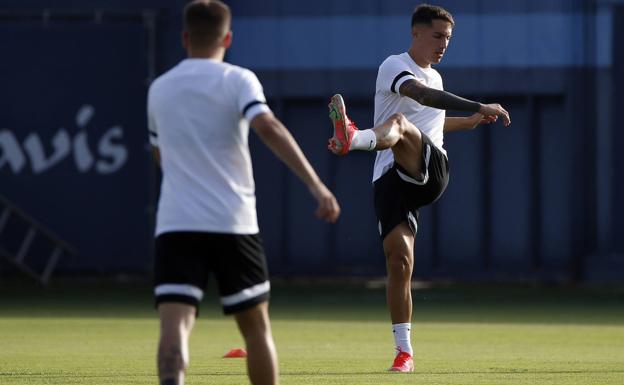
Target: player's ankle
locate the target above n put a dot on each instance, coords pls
(401, 332)
(365, 140)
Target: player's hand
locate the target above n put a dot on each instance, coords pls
(495, 109)
(473, 121)
(328, 209)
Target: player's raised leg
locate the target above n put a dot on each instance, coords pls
(255, 327)
(176, 324)
(396, 133)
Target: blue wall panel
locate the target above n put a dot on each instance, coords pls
(308, 245)
(460, 209)
(618, 136)
(289, 8)
(74, 114)
(514, 40)
(558, 181)
(82, 84)
(511, 181)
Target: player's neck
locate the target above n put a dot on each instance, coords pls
(205, 53)
(420, 61)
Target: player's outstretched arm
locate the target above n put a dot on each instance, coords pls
(452, 123)
(283, 145)
(447, 101)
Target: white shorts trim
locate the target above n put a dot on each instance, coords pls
(412, 222)
(179, 289)
(246, 294)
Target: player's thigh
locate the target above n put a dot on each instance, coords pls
(408, 151)
(241, 273)
(176, 319)
(253, 320)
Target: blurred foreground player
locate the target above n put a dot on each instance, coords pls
(199, 114)
(411, 167)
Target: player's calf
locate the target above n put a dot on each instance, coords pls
(171, 365)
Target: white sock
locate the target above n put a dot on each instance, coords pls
(402, 337)
(363, 140)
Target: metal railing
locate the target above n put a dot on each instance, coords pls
(18, 258)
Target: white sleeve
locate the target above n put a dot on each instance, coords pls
(392, 73)
(151, 122)
(251, 100)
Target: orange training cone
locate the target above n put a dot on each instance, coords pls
(236, 353)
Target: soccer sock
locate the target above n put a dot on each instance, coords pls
(363, 140)
(402, 337)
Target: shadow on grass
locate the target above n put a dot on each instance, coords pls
(286, 373)
(319, 373)
(332, 302)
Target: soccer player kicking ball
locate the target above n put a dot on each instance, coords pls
(199, 114)
(411, 167)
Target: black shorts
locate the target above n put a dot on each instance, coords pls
(398, 195)
(184, 260)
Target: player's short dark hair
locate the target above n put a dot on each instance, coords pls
(206, 21)
(426, 13)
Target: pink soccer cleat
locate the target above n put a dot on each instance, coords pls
(403, 363)
(344, 128)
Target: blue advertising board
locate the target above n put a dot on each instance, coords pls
(73, 143)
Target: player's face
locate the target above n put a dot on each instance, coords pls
(434, 39)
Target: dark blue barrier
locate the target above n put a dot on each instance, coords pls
(618, 134)
(521, 202)
(73, 138)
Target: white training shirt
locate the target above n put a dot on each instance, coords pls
(395, 70)
(198, 117)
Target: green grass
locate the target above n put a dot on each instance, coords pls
(91, 333)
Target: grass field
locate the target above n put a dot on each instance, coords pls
(94, 333)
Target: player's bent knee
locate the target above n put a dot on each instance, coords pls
(399, 263)
(399, 120)
(405, 126)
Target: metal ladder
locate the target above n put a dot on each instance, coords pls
(18, 258)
